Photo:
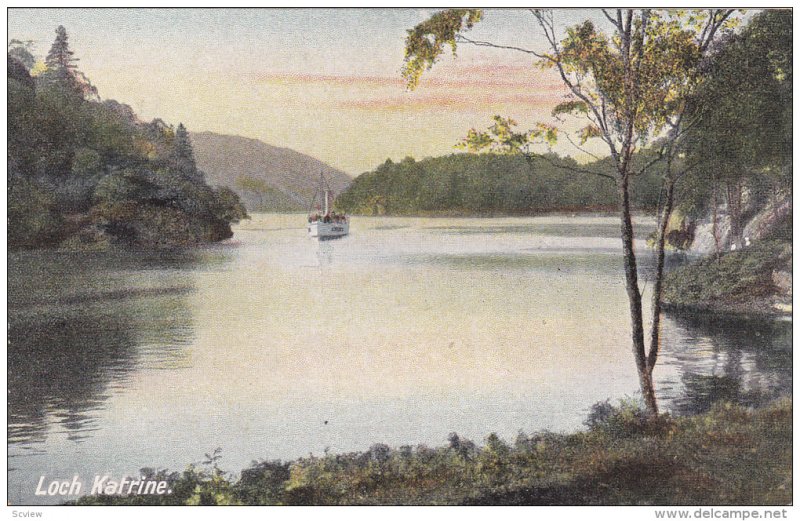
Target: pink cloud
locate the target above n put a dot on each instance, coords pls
(448, 76)
(469, 100)
(492, 75)
(451, 86)
(324, 79)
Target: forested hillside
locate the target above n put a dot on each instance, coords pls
(87, 173)
(489, 184)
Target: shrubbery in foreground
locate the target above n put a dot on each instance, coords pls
(730, 455)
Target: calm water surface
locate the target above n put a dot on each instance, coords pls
(273, 345)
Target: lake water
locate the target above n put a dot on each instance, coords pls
(273, 345)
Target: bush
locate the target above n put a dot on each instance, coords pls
(627, 419)
(263, 483)
(730, 455)
(33, 219)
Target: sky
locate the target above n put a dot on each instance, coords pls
(325, 82)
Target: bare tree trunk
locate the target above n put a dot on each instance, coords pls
(655, 328)
(734, 192)
(635, 298)
(715, 221)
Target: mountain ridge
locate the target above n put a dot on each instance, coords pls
(266, 177)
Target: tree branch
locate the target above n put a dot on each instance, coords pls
(550, 35)
(717, 18)
(650, 163)
(566, 134)
(611, 19)
(478, 43)
(531, 155)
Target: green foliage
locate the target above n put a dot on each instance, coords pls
(738, 277)
(488, 184)
(500, 138)
(125, 185)
(60, 55)
(628, 83)
(227, 205)
(204, 485)
(263, 483)
(158, 209)
(570, 107)
(426, 42)
(22, 52)
(629, 418)
(182, 156)
(743, 134)
(32, 215)
(588, 132)
(86, 163)
(88, 170)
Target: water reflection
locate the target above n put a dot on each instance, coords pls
(325, 250)
(720, 358)
(235, 345)
(76, 331)
(554, 226)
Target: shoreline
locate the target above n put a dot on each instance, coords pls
(753, 310)
(753, 282)
(622, 458)
(565, 212)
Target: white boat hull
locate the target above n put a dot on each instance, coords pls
(323, 230)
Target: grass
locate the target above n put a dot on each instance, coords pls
(728, 456)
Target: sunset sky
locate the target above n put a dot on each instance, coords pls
(324, 82)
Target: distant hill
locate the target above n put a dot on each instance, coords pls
(267, 178)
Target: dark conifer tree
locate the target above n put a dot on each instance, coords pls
(183, 153)
(60, 60)
(62, 68)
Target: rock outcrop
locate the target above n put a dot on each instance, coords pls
(760, 226)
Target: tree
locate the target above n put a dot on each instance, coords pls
(227, 205)
(629, 87)
(492, 184)
(743, 143)
(60, 60)
(183, 154)
(62, 69)
(23, 52)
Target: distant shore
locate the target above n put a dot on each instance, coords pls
(566, 212)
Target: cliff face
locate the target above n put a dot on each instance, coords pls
(753, 277)
(774, 218)
(767, 222)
